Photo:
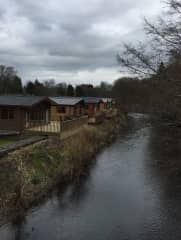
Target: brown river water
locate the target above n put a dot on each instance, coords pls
(128, 193)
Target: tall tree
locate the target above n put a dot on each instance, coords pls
(61, 89)
(70, 90)
(79, 91)
(17, 85)
(163, 37)
(158, 58)
(10, 82)
(30, 88)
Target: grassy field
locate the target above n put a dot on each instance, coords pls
(7, 140)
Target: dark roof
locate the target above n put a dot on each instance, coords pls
(92, 100)
(69, 101)
(23, 101)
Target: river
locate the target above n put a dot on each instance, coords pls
(123, 196)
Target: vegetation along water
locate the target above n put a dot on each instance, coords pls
(126, 193)
(29, 174)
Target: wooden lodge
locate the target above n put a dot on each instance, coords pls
(46, 114)
(19, 112)
(65, 108)
(93, 105)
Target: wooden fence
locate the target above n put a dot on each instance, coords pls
(56, 127)
(42, 127)
(74, 124)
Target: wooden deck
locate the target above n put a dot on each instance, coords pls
(52, 127)
(57, 127)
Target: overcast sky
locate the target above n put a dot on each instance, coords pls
(70, 40)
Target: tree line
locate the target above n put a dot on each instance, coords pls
(156, 62)
(50, 88)
(11, 83)
(132, 93)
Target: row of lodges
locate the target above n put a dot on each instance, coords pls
(18, 113)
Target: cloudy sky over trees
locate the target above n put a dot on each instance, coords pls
(70, 40)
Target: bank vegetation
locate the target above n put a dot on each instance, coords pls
(29, 174)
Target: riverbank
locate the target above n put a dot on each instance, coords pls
(29, 174)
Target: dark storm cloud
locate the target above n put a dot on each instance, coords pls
(68, 38)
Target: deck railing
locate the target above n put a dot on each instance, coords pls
(43, 127)
(56, 127)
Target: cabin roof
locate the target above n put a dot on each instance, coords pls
(92, 99)
(69, 101)
(20, 101)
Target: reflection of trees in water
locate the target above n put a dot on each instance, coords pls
(74, 193)
(165, 151)
(164, 166)
(135, 122)
(18, 228)
(67, 194)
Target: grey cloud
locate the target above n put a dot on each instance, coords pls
(76, 36)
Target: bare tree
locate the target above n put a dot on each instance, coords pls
(139, 59)
(164, 38)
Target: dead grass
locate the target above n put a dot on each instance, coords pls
(29, 173)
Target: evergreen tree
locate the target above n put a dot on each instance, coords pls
(10, 82)
(79, 91)
(30, 88)
(70, 90)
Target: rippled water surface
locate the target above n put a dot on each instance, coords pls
(122, 197)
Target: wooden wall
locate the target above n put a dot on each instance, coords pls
(69, 112)
(93, 108)
(15, 124)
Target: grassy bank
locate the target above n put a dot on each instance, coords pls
(5, 140)
(27, 175)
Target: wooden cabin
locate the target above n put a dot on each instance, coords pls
(63, 108)
(93, 105)
(20, 112)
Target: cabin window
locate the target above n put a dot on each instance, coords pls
(4, 114)
(7, 114)
(61, 109)
(11, 114)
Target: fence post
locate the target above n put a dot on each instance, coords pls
(60, 128)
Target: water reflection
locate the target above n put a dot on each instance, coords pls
(75, 193)
(164, 166)
(165, 150)
(128, 193)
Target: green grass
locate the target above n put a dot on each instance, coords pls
(7, 140)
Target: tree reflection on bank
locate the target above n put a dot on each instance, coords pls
(165, 149)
